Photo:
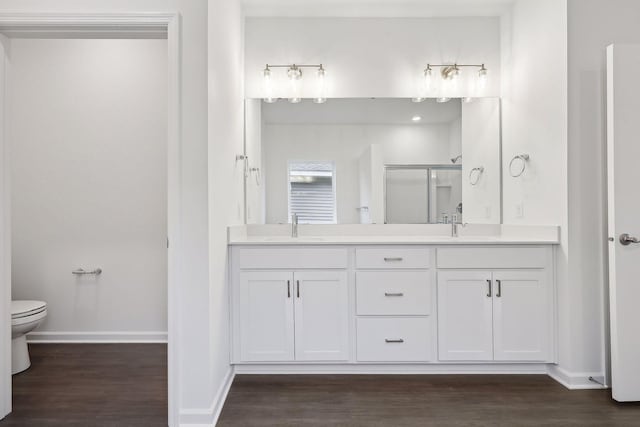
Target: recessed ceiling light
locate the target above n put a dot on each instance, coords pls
(416, 118)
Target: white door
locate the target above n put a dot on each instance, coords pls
(623, 148)
(520, 316)
(266, 317)
(465, 315)
(321, 313)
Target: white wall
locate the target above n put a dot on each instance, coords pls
(196, 325)
(534, 122)
(226, 113)
(88, 137)
(593, 24)
(255, 198)
(481, 148)
(345, 144)
(371, 56)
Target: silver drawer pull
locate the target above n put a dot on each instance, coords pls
(399, 340)
(81, 272)
(393, 259)
(392, 294)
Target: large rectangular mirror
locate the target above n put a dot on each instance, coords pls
(373, 160)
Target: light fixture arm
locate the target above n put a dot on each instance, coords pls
(448, 71)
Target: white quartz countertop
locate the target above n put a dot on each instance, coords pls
(393, 234)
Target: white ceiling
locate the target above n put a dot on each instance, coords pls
(361, 111)
(376, 8)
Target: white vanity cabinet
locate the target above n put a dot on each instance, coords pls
(378, 305)
(394, 304)
(321, 315)
(291, 313)
(266, 316)
(504, 314)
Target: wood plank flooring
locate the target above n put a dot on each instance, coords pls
(101, 385)
(412, 400)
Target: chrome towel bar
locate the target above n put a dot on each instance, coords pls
(82, 272)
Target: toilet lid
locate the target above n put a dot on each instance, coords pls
(23, 308)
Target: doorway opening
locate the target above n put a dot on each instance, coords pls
(88, 131)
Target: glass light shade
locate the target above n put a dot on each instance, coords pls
(268, 86)
(321, 97)
(295, 75)
(482, 78)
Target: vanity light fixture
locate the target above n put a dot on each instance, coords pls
(294, 73)
(449, 74)
(416, 118)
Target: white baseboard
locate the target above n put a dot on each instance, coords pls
(96, 337)
(576, 380)
(311, 369)
(208, 417)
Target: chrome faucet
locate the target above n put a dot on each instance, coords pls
(454, 228)
(294, 225)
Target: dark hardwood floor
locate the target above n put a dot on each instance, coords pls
(412, 400)
(91, 386)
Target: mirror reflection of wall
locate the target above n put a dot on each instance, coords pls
(351, 142)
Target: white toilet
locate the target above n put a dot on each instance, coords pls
(25, 317)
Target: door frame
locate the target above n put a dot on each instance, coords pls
(122, 25)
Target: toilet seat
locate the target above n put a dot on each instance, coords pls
(27, 308)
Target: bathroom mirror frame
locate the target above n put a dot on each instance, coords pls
(499, 176)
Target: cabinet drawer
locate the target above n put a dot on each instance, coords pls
(388, 258)
(291, 258)
(486, 258)
(398, 293)
(394, 339)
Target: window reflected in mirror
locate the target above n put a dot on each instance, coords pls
(312, 192)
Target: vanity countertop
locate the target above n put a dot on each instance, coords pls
(371, 234)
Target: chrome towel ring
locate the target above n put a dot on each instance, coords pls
(474, 175)
(523, 158)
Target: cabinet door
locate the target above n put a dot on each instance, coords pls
(465, 315)
(266, 316)
(321, 313)
(521, 316)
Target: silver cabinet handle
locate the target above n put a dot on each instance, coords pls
(288, 288)
(395, 341)
(82, 272)
(626, 239)
(393, 259)
(499, 294)
(393, 294)
(490, 291)
(298, 287)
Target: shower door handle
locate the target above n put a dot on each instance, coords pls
(626, 239)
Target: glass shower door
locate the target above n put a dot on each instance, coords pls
(407, 200)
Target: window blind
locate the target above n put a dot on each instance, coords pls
(311, 192)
